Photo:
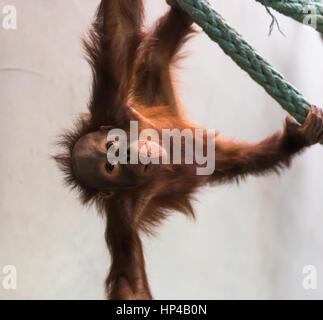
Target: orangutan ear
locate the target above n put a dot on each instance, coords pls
(105, 195)
(108, 194)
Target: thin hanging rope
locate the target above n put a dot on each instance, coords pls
(308, 12)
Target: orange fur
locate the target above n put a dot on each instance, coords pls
(131, 68)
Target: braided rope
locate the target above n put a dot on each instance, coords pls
(246, 57)
(299, 10)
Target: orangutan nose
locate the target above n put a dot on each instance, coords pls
(128, 155)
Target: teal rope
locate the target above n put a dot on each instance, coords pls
(246, 57)
(298, 9)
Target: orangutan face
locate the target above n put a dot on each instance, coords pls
(91, 165)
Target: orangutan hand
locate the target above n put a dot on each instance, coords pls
(312, 129)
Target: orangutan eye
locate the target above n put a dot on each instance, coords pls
(109, 167)
(108, 145)
(113, 148)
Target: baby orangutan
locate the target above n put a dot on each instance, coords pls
(132, 82)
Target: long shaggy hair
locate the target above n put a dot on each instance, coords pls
(131, 91)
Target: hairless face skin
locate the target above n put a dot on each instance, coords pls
(90, 163)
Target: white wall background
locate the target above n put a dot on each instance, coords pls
(251, 241)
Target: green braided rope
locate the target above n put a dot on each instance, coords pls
(246, 57)
(299, 10)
